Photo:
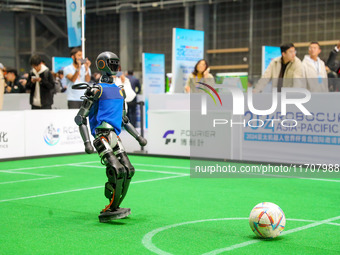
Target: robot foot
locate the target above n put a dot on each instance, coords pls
(108, 215)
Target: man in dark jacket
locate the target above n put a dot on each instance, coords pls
(41, 84)
(332, 63)
(334, 69)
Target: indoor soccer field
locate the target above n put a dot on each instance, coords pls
(51, 206)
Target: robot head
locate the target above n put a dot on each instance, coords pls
(107, 63)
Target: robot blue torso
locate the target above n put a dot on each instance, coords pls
(108, 108)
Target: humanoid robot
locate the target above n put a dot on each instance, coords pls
(104, 104)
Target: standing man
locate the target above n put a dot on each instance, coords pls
(135, 85)
(331, 61)
(283, 71)
(314, 70)
(41, 85)
(77, 72)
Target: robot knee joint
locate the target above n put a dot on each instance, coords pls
(131, 172)
(115, 169)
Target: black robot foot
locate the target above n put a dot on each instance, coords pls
(108, 215)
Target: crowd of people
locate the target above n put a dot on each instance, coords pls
(43, 84)
(311, 73)
(286, 70)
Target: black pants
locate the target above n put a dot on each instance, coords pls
(132, 112)
(74, 104)
(41, 107)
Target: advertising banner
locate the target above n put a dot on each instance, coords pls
(295, 137)
(73, 15)
(52, 132)
(12, 137)
(268, 54)
(154, 73)
(58, 63)
(187, 49)
(181, 133)
(153, 77)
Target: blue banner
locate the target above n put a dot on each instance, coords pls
(153, 77)
(268, 54)
(73, 15)
(58, 63)
(187, 49)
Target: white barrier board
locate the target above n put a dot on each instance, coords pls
(12, 137)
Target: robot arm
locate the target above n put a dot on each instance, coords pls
(92, 93)
(132, 131)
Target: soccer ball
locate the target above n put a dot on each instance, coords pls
(267, 220)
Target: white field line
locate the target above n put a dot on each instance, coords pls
(137, 170)
(29, 180)
(147, 239)
(49, 166)
(236, 246)
(45, 175)
(137, 164)
(89, 188)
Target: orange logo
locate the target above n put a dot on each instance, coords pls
(101, 64)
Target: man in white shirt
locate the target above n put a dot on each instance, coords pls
(314, 70)
(77, 72)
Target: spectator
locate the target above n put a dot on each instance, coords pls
(23, 80)
(332, 63)
(41, 84)
(60, 82)
(77, 72)
(283, 71)
(2, 85)
(314, 70)
(333, 81)
(13, 84)
(123, 82)
(200, 74)
(135, 85)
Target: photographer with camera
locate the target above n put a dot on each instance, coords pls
(77, 72)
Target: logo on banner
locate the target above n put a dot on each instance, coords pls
(52, 135)
(3, 140)
(168, 140)
(208, 92)
(73, 6)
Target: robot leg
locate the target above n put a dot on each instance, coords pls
(116, 175)
(130, 170)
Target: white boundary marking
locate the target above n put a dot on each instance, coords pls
(29, 180)
(178, 167)
(138, 170)
(90, 188)
(10, 172)
(147, 239)
(44, 177)
(137, 164)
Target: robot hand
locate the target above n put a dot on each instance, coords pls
(88, 147)
(142, 141)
